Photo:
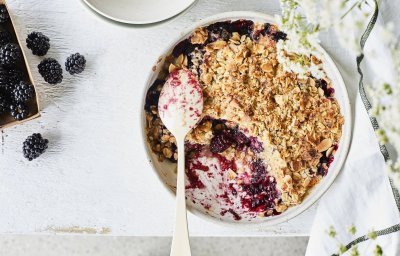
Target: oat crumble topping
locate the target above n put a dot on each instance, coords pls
(296, 120)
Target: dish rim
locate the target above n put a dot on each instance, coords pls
(313, 196)
(133, 21)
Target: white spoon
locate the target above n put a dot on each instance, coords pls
(180, 107)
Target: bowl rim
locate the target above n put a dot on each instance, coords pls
(344, 145)
(111, 17)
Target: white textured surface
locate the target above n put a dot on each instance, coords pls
(95, 174)
(140, 246)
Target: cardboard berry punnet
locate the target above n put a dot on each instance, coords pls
(6, 120)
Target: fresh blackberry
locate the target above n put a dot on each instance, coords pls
(50, 70)
(22, 92)
(8, 91)
(75, 63)
(4, 104)
(34, 146)
(4, 16)
(19, 111)
(10, 77)
(5, 38)
(10, 54)
(38, 43)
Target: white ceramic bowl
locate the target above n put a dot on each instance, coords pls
(166, 172)
(138, 11)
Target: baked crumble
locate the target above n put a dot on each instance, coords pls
(267, 137)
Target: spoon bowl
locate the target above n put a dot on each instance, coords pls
(181, 102)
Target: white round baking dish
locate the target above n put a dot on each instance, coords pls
(165, 170)
(138, 12)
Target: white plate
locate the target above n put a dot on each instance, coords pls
(165, 170)
(139, 11)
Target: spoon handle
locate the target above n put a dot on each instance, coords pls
(180, 241)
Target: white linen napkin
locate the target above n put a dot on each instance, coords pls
(362, 194)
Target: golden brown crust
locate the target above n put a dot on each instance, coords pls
(243, 82)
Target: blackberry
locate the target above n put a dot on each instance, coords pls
(321, 170)
(153, 94)
(50, 70)
(4, 105)
(10, 54)
(220, 142)
(219, 31)
(184, 47)
(243, 27)
(255, 145)
(279, 35)
(265, 31)
(240, 139)
(10, 77)
(38, 43)
(4, 16)
(19, 111)
(8, 91)
(321, 83)
(34, 146)
(22, 92)
(75, 63)
(5, 38)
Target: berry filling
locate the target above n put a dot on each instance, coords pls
(234, 214)
(225, 137)
(186, 48)
(326, 161)
(270, 31)
(218, 31)
(191, 166)
(261, 191)
(243, 27)
(328, 92)
(247, 193)
(153, 94)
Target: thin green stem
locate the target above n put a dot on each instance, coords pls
(352, 7)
